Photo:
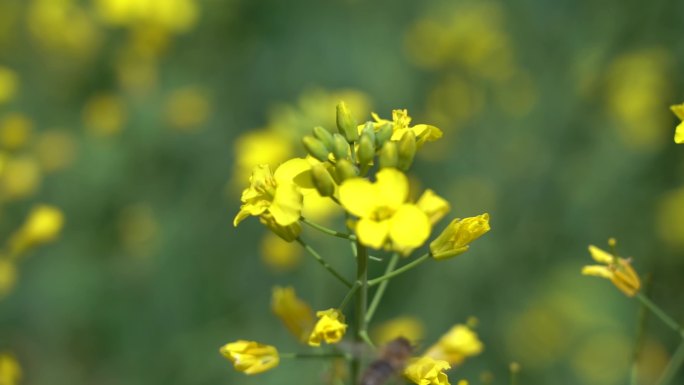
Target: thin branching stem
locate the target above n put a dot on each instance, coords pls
(400, 270)
(324, 263)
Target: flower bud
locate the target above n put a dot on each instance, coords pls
(251, 357)
(329, 328)
(366, 150)
(344, 169)
(389, 156)
(346, 123)
(456, 238)
(315, 148)
(325, 185)
(324, 136)
(340, 147)
(369, 130)
(383, 134)
(406, 150)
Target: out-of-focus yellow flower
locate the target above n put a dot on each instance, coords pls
(20, 178)
(174, 15)
(9, 84)
(329, 328)
(408, 327)
(296, 314)
(187, 109)
(55, 150)
(617, 270)
(401, 124)
(603, 358)
(278, 254)
(43, 225)
(15, 131)
(427, 371)
(259, 147)
(385, 218)
(459, 343)
(433, 205)
(275, 193)
(251, 357)
(8, 278)
(670, 218)
(10, 371)
(137, 72)
(138, 229)
(678, 110)
(104, 114)
(456, 238)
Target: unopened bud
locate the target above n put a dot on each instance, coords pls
(369, 130)
(406, 150)
(340, 147)
(322, 180)
(346, 123)
(345, 170)
(388, 155)
(316, 148)
(324, 136)
(383, 134)
(366, 150)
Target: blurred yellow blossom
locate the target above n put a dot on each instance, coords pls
(259, 147)
(278, 254)
(678, 110)
(137, 73)
(55, 150)
(427, 371)
(43, 225)
(617, 270)
(188, 108)
(330, 327)
(295, 314)
(670, 218)
(602, 358)
(10, 371)
(104, 114)
(20, 177)
(434, 206)
(385, 218)
(15, 131)
(251, 357)
(459, 343)
(174, 15)
(275, 193)
(408, 327)
(456, 238)
(9, 84)
(8, 278)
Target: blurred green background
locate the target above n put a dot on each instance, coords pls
(141, 120)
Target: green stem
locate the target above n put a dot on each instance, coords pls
(380, 291)
(323, 263)
(326, 230)
(400, 270)
(655, 309)
(361, 303)
(671, 369)
(349, 295)
(312, 355)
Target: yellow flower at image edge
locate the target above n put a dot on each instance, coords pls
(329, 328)
(678, 110)
(251, 357)
(427, 371)
(10, 371)
(274, 196)
(617, 270)
(384, 215)
(455, 239)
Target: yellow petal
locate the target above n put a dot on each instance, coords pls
(434, 206)
(679, 134)
(600, 256)
(287, 204)
(288, 171)
(372, 233)
(392, 187)
(598, 271)
(409, 226)
(678, 110)
(358, 196)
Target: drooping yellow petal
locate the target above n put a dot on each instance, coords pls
(598, 271)
(288, 171)
(409, 227)
(433, 205)
(357, 195)
(600, 256)
(678, 110)
(294, 312)
(392, 187)
(679, 134)
(251, 357)
(372, 233)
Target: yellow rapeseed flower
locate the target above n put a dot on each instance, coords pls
(617, 270)
(385, 218)
(43, 225)
(408, 327)
(455, 239)
(456, 345)
(401, 124)
(678, 110)
(295, 313)
(274, 193)
(427, 371)
(188, 108)
(10, 371)
(329, 328)
(251, 357)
